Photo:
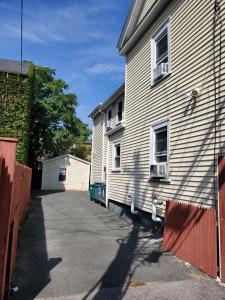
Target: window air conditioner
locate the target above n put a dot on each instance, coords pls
(160, 70)
(158, 171)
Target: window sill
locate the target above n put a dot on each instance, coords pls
(158, 180)
(116, 170)
(118, 127)
(156, 82)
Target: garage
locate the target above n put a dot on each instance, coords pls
(66, 172)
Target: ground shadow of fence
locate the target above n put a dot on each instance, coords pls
(33, 266)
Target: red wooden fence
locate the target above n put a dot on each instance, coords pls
(15, 183)
(8, 156)
(20, 205)
(190, 234)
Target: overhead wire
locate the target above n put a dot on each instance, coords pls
(21, 37)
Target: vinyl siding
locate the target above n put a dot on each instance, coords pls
(192, 126)
(98, 149)
(147, 5)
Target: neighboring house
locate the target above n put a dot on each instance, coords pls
(66, 172)
(15, 100)
(167, 142)
(107, 133)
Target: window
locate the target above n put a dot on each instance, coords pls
(161, 52)
(161, 144)
(109, 119)
(120, 111)
(159, 148)
(116, 161)
(62, 175)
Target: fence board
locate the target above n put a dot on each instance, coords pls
(190, 234)
(20, 204)
(221, 175)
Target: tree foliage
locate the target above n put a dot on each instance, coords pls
(54, 125)
(81, 149)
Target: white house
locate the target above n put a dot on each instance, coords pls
(162, 142)
(66, 172)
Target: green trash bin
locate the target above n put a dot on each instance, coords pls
(92, 192)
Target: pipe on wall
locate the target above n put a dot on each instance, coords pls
(154, 210)
(132, 204)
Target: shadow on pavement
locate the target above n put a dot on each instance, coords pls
(33, 266)
(133, 252)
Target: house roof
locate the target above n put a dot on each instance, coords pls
(69, 155)
(131, 20)
(131, 30)
(14, 67)
(119, 92)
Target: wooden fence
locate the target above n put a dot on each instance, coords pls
(15, 183)
(190, 234)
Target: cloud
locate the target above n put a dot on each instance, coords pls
(80, 22)
(106, 69)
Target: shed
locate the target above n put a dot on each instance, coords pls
(65, 172)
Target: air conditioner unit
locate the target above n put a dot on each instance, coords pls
(160, 70)
(158, 170)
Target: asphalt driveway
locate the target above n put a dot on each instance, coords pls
(72, 248)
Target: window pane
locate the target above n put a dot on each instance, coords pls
(162, 49)
(109, 115)
(117, 162)
(120, 106)
(161, 158)
(120, 116)
(161, 141)
(120, 111)
(117, 150)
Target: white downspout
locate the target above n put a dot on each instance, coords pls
(92, 151)
(154, 209)
(107, 176)
(132, 204)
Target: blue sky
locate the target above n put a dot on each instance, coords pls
(76, 37)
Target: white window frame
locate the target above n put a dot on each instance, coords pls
(164, 26)
(155, 126)
(118, 111)
(58, 171)
(114, 144)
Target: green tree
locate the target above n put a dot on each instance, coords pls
(54, 125)
(81, 149)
